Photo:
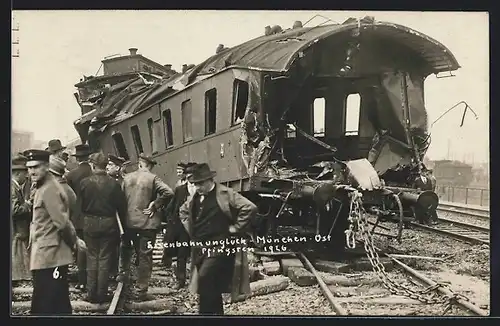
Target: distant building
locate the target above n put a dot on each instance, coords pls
(452, 173)
(21, 140)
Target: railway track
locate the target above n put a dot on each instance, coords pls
(479, 212)
(339, 309)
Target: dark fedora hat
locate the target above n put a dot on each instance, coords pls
(19, 162)
(147, 158)
(55, 145)
(116, 160)
(82, 150)
(200, 172)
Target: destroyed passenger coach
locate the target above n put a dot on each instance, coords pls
(274, 117)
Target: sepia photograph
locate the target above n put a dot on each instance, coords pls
(250, 163)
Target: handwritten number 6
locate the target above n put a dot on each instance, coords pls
(150, 246)
(55, 274)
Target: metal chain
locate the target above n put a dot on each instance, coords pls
(359, 227)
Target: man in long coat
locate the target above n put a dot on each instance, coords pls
(115, 170)
(216, 213)
(52, 238)
(175, 232)
(21, 218)
(74, 177)
(146, 194)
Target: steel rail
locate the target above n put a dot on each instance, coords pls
(461, 302)
(339, 310)
(466, 225)
(451, 234)
(475, 212)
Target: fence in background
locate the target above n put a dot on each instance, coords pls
(464, 195)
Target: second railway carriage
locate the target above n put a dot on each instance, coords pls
(289, 119)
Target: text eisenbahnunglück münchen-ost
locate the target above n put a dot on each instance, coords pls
(233, 245)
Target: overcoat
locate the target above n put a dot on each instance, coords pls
(52, 235)
(175, 230)
(73, 178)
(241, 212)
(21, 217)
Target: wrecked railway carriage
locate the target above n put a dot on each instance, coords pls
(271, 117)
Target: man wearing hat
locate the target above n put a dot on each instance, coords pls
(102, 198)
(21, 218)
(74, 177)
(115, 170)
(216, 213)
(58, 167)
(56, 148)
(146, 194)
(175, 232)
(52, 239)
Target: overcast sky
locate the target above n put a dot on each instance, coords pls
(57, 47)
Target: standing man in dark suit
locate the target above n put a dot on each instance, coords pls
(73, 178)
(102, 198)
(146, 194)
(21, 210)
(52, 239)
(115, 170)
(216, 213)
(175, 232)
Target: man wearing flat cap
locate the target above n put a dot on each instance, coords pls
(74, 177)
(52, 239)
(102, 198)
(56, 148)
(175, 232)
(58, 168)
(21, 217)
(216, 213)
(115, 170)
(146, 194)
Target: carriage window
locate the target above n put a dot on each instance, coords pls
(352, 110)
(136, 136)
(186, 120)
(167, 127)
(210, 111)
(120, 145)
(150, 131)
(319, 117)
(240, 100)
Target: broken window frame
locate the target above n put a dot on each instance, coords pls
(136, 137)
(167, 128)
(151, 134)
(236, 116)
(210, 117)
(187, 121)
(120, 147)
(313, 111)
(354, 132)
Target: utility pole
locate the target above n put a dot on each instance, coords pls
(15, 39)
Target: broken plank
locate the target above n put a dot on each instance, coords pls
(269, 285)
(116, 298)
(153, 305)
(78, 305)
(390, 300)
(301, 276)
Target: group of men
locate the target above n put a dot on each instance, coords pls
(101, 216)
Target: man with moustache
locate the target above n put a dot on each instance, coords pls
(21, 217)
(115, 170)
(74, 177)
(216, 213)
(175, 232)
(52, 239)
(146, 194)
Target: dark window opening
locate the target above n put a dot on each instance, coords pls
(210, 111)
(120, 147)
(240, 100)
(319, 117)
(186, 113)
(352, 111)
(150, 131)
(167, 127)
(136, 136)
